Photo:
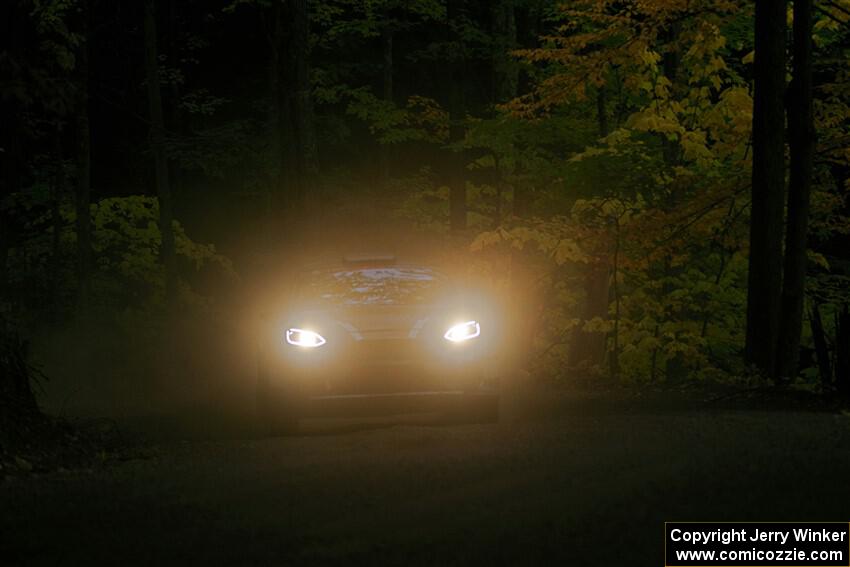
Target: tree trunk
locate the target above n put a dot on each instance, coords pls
(12, 160)
(157, 141)
(504, 77)
(82, 201)
(302, 112)
(288, 136)
(670, 65)
(505, 67)
(387, 49)
(17, 398)
(457, 175)
(602, 111)
(57, 189)
(821, 347)
(521, 200)
(768, 187)
(274, 33)
(842, 352)
(614, 360)
(801, 132)
(588, 349)
(175, 114)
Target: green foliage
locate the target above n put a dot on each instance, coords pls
(126, 244)
(214, 150)
(422, 119)
(365, 19)
(125, 241)
(423, 202)
(38, 80)
(657, 202)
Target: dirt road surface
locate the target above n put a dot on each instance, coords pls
(578, 480)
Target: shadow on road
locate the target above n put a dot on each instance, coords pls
(220, 422)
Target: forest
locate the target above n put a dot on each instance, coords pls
(655, 195)
(662, 185)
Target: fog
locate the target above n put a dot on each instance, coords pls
(196, 367)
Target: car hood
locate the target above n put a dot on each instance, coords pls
(373, 322)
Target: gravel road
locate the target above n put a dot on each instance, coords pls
(580, 480)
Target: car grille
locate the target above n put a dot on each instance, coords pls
(392, 352)
(381, 366)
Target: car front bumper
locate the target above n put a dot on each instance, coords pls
(383, 371)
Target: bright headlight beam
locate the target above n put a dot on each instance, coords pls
(463, 332)
(304, 338)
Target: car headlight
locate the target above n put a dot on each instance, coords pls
(304, 338)
(463, 332)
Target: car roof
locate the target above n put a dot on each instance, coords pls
(364, 262)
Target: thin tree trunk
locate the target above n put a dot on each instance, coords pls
(588, 348)
(615, 288)
(505, 78)
(457, 177)
(12, 157)
(173, 98)
(288, 137)
(521, 199)
(457, 197)
(821, 347)
(306, 151)
(768, 187)
(653, 366)
(504, 65)
(387, 48)
(801, 132)
(82, 201)
(157, 140)
(57, 187)
(387, 43)
(602, 112)
(276, 100)
(5, 248)
(16, 376)
(842, 352)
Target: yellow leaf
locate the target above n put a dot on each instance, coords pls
(818, 259)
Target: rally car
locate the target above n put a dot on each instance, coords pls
(373, 332)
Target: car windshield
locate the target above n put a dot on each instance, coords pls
(373, 286)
